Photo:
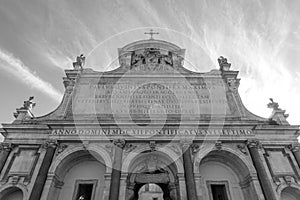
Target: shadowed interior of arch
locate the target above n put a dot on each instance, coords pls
(11, 193)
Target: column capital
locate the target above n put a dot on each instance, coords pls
(185, 144)
(49, 144)
(172, 186)
(119, 143)
(131, 185)
(253, 144)
(4, 146)
(295, 147)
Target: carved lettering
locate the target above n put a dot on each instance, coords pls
(147, 132)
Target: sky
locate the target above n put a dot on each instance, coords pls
(39, 39)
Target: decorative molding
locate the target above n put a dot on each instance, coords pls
(120, 143)
(185, 144)
(276, 175)
(233, 84)
(218, 145)
(295, 147)
(129, 147)
(242, 148)
(109, 148)
(49, 144)
(195, 148)
(61, 148)
(6, 147)
(152, 145)
(253, 144)
(175, 148)
(27, 175)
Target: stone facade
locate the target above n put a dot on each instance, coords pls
(150, 122)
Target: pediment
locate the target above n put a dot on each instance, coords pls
(151, 83)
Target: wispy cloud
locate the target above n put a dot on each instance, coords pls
(16, 67)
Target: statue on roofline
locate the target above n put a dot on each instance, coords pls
(27, 107)
(224, 65)
(80, 61)
(29, 104)
(273, 105)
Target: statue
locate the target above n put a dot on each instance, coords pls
(273, 105)
(26, 110)
(166, 59)
(29, 105)
(224, 65)
(80, 61)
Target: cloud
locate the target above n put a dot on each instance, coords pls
(17, 68)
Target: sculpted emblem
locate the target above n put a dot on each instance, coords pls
(151, 55)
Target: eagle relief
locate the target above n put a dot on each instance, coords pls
(151, 59)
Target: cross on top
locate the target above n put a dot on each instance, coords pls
(151, 33)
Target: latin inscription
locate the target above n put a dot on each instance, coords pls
(158, 97)
(146, 132)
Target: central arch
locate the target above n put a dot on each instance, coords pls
(152, 168)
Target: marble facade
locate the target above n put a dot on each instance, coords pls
(150, 121)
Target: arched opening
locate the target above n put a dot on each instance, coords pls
(12, 193)
(150, 191)
(78, 176)
(290, 193)
(226, 176)
(156, 170)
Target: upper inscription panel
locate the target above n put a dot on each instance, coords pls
(144, 96)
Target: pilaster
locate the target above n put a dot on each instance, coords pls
(116, 170)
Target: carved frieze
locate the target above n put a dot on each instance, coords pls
(151, 55)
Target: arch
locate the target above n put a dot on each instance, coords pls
(290, 193)
(166, 151)
(95, 150)
(151, 189)
(240, 157)
(65, 171)
(11, 193)
(231, 170)
(157, 167)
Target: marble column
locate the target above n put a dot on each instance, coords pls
(39, 183)
(264, 180)
(295, 148)
(189, 172)
(5, 149)
(116, 170)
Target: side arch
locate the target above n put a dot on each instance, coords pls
(285, 187)
(95, 150)
(10, 189)
(208, 148)
(230, 168)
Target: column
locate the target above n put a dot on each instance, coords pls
(295, 148)
(5, 149)
(261, 171)
(39, 183)
(188, 172)
(116, 170)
